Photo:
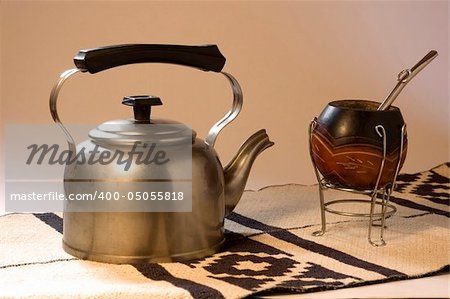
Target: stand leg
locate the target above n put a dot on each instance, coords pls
(383, 211)
(322, 213)
(321, 187)
(387, 190)
(372, 211)
(382, 133)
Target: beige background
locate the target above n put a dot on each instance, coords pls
(291, 59)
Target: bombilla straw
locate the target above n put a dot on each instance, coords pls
(404, 77)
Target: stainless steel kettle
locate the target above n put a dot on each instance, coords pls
(145, 236)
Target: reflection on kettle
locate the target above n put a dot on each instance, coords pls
(144, 236)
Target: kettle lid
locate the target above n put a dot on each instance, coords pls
(142, 128)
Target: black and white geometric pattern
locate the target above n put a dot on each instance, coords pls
(431, 190)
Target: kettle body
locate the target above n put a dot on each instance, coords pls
(131, 237)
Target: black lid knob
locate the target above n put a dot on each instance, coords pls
(142, 106)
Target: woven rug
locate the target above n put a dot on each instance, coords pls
(269, 248)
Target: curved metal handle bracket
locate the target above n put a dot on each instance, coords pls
(231, 115)
(53, 107)
(210, 138)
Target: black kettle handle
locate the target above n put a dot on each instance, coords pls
(207, 57)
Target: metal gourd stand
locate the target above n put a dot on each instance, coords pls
(378, 192)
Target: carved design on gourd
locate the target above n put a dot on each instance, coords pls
(353, 161)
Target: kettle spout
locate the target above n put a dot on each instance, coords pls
(237, 171)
